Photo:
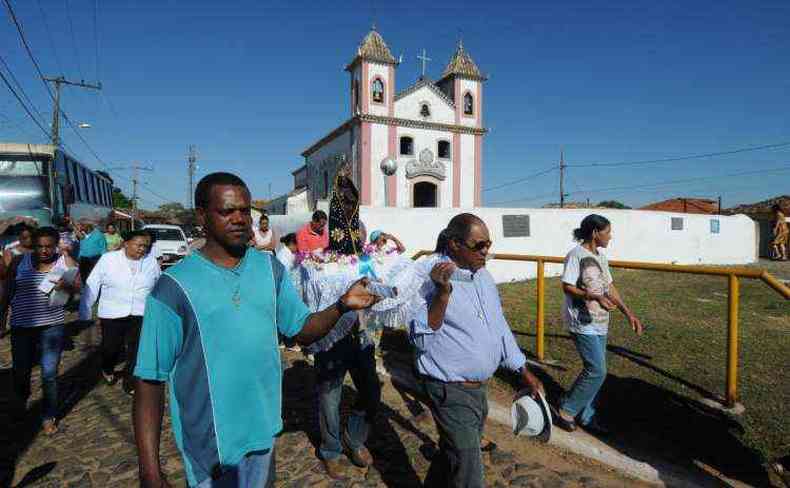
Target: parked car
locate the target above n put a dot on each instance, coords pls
(170, 243)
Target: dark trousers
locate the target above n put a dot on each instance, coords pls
(28, 344)
(117, 335)
(346, 356)
(460, 413)
(86, 266)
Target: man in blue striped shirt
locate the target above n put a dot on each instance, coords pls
(462, 337)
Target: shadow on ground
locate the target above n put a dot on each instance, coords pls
(19, 430)
(390, 456)
(648, 421)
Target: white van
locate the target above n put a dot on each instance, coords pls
(170, 242)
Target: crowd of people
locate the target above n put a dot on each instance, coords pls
(172, 328)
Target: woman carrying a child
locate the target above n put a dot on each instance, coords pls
(590, 295)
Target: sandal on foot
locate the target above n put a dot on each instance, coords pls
(562, 422)
(49, 427)
(109, 379)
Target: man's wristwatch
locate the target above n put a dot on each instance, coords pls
(342, 308)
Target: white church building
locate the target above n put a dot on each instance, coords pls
(418, 147)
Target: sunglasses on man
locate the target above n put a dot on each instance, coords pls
(478, 246)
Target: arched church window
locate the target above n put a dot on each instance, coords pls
(406, 146)
(425, 110)
(443, 150)
(378, 91)
(469, 103)
(355, 89)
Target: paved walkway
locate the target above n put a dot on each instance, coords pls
(94, 447)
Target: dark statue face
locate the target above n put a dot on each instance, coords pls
(349, 199)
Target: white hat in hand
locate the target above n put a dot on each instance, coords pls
(531, 417)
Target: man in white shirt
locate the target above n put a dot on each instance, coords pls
(121, 281)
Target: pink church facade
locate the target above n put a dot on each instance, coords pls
(419, 147)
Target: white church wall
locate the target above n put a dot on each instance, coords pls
(467, 170)
(637, 235)
(324, 159)
(378, 152)
(424, 139)
(409, 107)
(382, 72)
(470, 86)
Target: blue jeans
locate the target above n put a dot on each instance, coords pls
(25, 344)
(580, 400)
(255, 470)
(346, 356)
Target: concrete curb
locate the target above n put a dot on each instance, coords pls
(655, 471)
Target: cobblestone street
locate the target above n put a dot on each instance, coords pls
(94, 447)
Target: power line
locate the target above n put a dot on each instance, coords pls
(74, 39)
(687, 180)
(650, 185)
(159, 196)
(19, 86)
(520, 180)
(49, 36)
(49, 91)
(681, 158)
(525, 199)
(21, 102)
(635, 163)
(96, 35)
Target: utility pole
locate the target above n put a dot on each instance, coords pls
(191, 168)
(562, 178)
(58, 82)
(719, 210)
(136, 168)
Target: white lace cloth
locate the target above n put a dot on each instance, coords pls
(323, 285)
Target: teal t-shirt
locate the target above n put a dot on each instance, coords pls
(94, 245)
(211, 332)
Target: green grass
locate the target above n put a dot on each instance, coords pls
(655, 381)
(686, 340)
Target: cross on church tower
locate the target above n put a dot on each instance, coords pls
(424, 60)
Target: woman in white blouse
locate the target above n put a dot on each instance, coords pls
(121, 281)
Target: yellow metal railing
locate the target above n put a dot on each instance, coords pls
(733, 275)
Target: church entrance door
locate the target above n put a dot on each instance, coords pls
(424, 194)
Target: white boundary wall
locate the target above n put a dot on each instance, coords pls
(638, 235)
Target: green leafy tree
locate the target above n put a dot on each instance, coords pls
(613, 204)
(173, 208)
(119, 200)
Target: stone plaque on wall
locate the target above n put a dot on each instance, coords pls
(515, 225)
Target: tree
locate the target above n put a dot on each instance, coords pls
(171, 208)
(119, 200)
(613, 204)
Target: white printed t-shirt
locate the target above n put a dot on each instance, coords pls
(590, 272)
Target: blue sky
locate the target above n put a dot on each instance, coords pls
(253, 83)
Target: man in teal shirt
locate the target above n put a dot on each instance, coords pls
(210, 330)
(92, 246)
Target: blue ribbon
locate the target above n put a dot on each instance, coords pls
(366, 267)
